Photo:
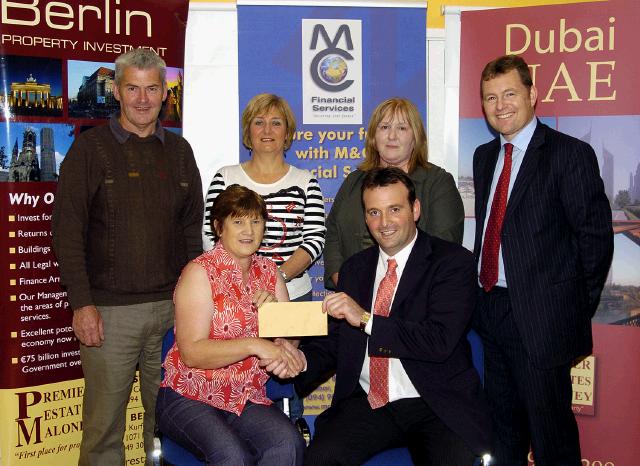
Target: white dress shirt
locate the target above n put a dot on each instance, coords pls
(400, 385)
(520, 143)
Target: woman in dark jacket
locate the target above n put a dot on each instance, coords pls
(395, 137)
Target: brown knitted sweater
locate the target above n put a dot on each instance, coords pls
(127, 216)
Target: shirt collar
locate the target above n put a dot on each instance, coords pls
(401, 256)
(522, 139)
(122, 134)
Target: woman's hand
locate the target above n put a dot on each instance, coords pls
(280, 358)
(297, 360)
(263, 296)
(272, 357)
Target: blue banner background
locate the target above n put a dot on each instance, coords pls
(270, 60)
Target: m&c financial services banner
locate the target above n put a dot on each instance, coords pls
(584, 63)
(333, 66)
(56, 80)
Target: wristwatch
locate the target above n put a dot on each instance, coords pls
(364, 319)
(284, 275)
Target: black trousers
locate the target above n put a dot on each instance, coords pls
(530, 406)
(350, 433)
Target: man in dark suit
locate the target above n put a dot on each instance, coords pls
(405, 378)
(543, 244)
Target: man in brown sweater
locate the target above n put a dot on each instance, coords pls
(127, 218)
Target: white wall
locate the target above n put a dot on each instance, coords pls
(211, 86)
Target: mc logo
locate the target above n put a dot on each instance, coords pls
(329, 66)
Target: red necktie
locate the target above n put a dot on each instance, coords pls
(491, 245)
(379, 367)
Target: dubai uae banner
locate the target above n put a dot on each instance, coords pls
(585, 66)
(333, 66)
(56, 79)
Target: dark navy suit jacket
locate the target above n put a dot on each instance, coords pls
(426, 330)
(557, 242)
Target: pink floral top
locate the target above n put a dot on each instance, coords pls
(234, 316)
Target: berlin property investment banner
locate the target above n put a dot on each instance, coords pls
(56, 80)
(333, 66)
(584, 61)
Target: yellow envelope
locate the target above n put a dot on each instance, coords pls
(291, 319)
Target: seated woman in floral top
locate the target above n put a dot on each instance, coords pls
(212, 399)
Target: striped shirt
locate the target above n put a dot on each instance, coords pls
(296, 216)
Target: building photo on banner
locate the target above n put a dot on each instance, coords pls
(583, 67)
(56, 81)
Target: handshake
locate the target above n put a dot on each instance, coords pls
(282, 358)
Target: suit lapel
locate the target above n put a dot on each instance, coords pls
(527, 170)
(413, 271)
(367, 270)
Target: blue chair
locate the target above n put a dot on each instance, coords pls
(172, 452)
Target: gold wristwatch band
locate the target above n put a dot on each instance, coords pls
(364, 319)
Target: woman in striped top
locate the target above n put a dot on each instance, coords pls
(294, 235)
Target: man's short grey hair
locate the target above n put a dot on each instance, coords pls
(140, 58)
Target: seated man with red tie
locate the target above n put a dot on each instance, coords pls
(404, 375)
